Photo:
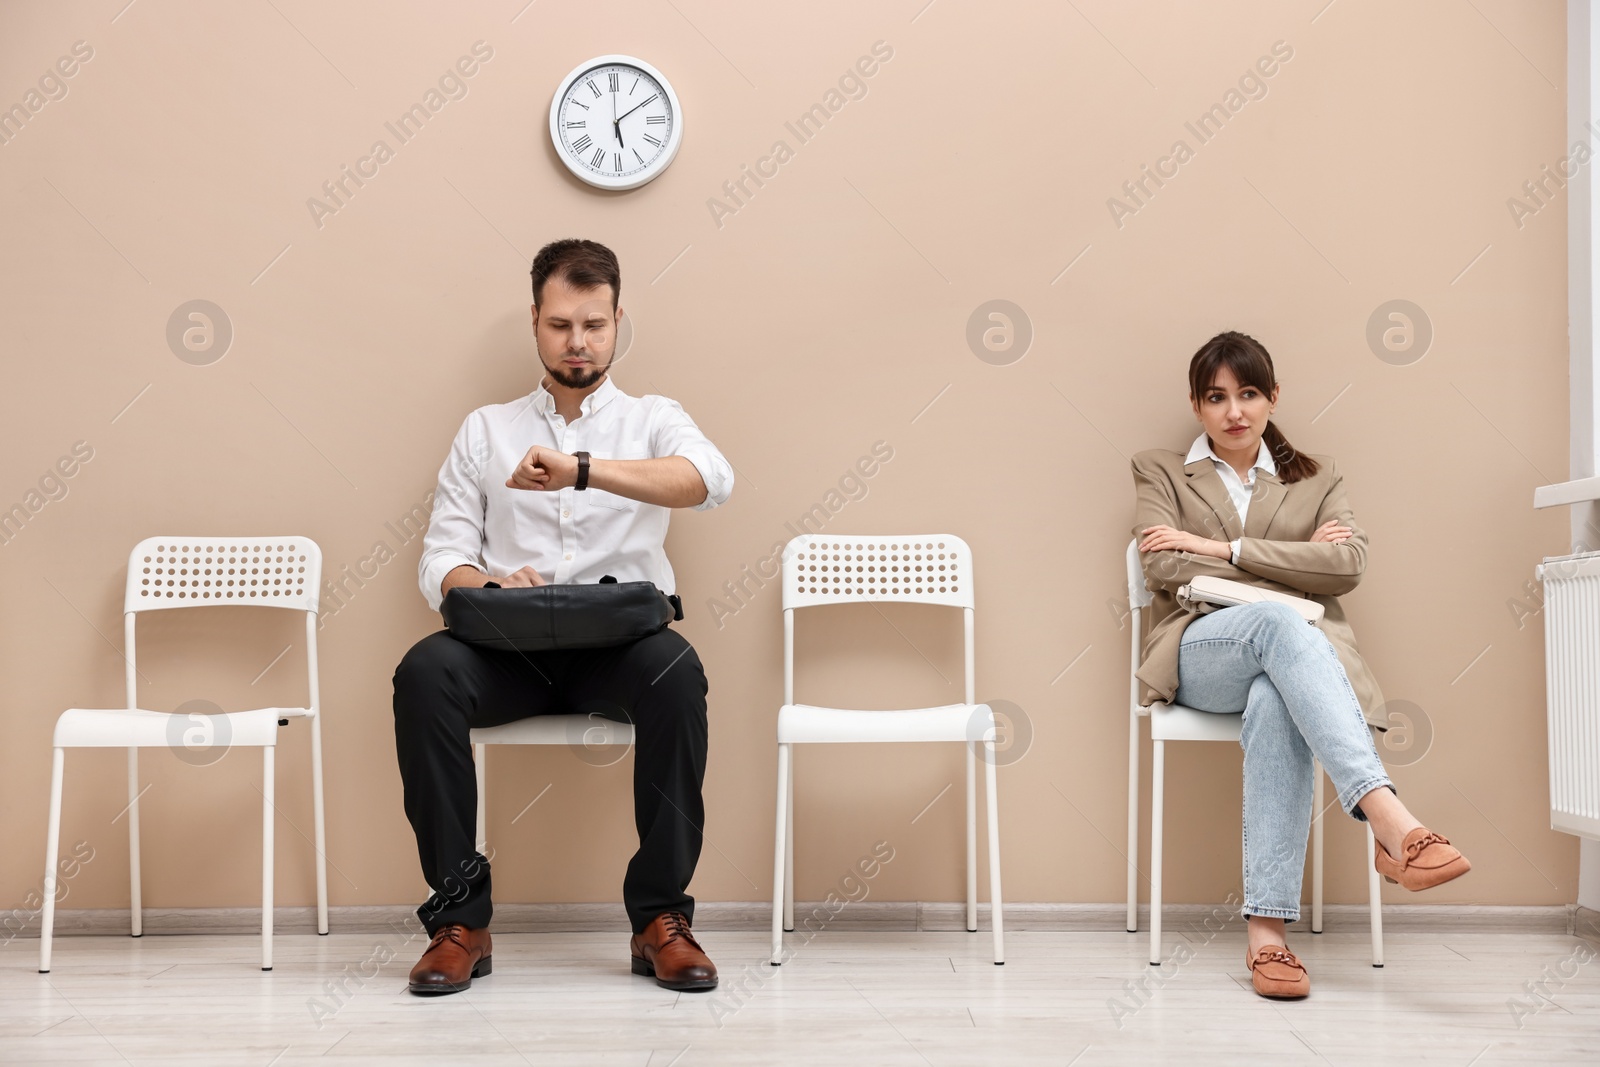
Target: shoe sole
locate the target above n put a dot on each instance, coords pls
(1283, 996)
(1440, 876)
(481, 969)
(690, 985)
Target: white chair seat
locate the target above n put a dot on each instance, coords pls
(580, 732)
(809, 724)
(556, 730)
(137, 728)
(1178, 722)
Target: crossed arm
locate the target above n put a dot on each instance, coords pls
(1331, 562)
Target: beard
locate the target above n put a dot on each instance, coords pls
(575, 377)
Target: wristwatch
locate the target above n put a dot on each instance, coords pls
(583, 471)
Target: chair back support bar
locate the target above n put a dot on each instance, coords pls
(1138, 594)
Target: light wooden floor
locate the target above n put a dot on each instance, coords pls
(914, 998)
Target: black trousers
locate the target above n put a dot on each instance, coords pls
(445, 687)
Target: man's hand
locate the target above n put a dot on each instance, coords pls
(525, 578)
(544, 469)
(1162, 538)
(467, 576)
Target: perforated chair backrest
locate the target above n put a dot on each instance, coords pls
(188, 572)
(919, 569)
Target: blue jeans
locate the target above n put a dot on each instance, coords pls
(1264, 660)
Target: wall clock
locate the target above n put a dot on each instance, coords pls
(615, 122)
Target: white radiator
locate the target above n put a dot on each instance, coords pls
(1572, 689)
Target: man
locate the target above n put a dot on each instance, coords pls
(569, 483)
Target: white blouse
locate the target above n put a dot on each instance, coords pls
(1239, 492)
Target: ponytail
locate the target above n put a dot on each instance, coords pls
(1292, 465)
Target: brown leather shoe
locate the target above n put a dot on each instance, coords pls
(1426, 860)
(455, 956)
(668, 952)
(1275, 972)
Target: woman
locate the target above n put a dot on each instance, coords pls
(1243, 504)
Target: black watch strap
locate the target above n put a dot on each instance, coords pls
(583, 471)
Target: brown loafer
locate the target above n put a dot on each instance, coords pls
(668, 952)
(1426, 860)
(1275, 972)
(455, 956)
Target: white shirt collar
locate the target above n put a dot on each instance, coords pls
(545, 403)
(1201, 449)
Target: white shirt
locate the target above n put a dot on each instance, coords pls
(566, 535)
(1239, 492)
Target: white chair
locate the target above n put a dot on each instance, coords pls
(920, 569)
(585, 731)
(1174, 722)
(201, 572)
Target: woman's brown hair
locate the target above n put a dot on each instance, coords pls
(1247, 358)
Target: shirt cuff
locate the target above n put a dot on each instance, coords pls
(1234, 544)
(717, 476)
(433, 577)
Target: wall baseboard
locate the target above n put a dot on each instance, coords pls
(869, 915)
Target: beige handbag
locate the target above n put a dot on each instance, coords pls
(1206, 593)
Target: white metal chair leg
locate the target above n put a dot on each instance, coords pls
(779, 855)
(321, 829)
(1133, 822)
(993, 803)
(1375, 896)
(972, 839)
(788, 837)
(1158, 767)
(136, 906)
(52, 847)
(267, 813)
(479, 753)
(1317, 826)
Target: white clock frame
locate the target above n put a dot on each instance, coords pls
(593, 176)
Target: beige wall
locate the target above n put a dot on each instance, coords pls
(827, 313)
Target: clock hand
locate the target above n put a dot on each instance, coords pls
(635, 107)
(616, 128)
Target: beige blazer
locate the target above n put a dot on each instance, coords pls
(1275, 553)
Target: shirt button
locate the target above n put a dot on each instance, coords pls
(569, 555)
(565, 513)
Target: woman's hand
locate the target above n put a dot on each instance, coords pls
(1332, 532)
(1163, 538)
